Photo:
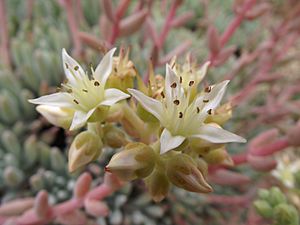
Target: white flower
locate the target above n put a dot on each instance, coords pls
(182, 119)
(82, 94)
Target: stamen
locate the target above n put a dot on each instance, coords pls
(207, 89)
(76, 68)
(191, 83)
(174, 85)
(209, 111)
(176, 102)
(205, 100)
(180, 114)
(162, 94)
(67, 66)
(180, 79)
(76, 101)
(96, 83)
(84, 90)
(198, 109)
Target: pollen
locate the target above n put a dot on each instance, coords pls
(76, 101)
(84, 90)
(180, 114)
(176, 102)
(191, 83)
(67, 66)
(209, 111)
(174, 85)
(96, 83)
(198, 109)
(205, 100)
(76, 68)
(207, 89)
(162, 94)
(180, 80)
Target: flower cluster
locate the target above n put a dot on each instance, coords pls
(168, 135)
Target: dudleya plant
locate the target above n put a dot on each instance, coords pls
(175, 147)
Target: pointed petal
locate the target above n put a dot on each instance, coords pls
(217, 135)
(171, 78)
(152, 105)
(203, 70)
(57, 99)
(80, 118)
(72, 68)
(112, 96)
(215, 95)
(169, 142)
(104, 68)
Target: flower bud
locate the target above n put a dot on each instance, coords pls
(286, 214)
(276, 196)
(123, 73)
(221, 115)
(61, 117)
(114, 137)
(86, 147)
(263, 208)
(218, 156)
(137, 160)
(183, 172)
(158, 185)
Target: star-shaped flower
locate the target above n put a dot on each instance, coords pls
(87, 97)
(182, 119)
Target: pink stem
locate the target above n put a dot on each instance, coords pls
(236, 22)
(73, 26)
(270, 149)
(4, 48)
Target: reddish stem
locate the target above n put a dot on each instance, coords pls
(73, 26)
(236, 22)
(271, 148)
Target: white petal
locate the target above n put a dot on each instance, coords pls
(69, 65)
(203, 70)
(57, 99)
(171, 78)
(112, 96)
(80, 118)
(215, 95)
(104, 68)
(217, 135)
(169, 142)
(152, 105)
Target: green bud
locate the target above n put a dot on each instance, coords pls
(218, 156)
(183, 172)
(12, 176)
(158, 185)
(31, 150)
(276, 196)
(44, 155)
(36, 182)
(137, 160)
(57, 160)
(263, 194)
(286, 214)
(263, 208)
(11, 143)
(9, 112)
(87, 146)
(114, 137)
